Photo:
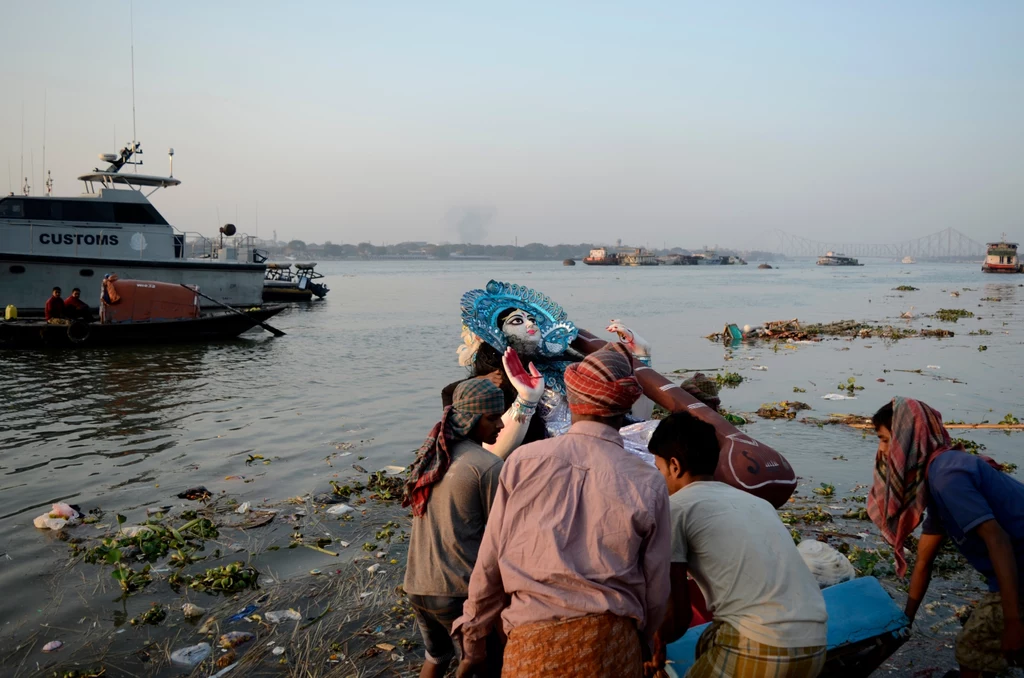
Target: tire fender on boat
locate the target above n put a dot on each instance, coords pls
(745, 463)
(78, 332)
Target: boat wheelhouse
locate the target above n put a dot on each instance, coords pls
(1002, 258)
(66, 242)
(837, 259)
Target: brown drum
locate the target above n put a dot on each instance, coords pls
(745, 463)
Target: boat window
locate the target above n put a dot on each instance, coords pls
(12, 208)
(86, 273)
(88, 210)
(129, 213)
(17, 269)
(43, 209)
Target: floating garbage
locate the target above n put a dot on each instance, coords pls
(244, 508)
(933, 367)
(828, 565)
(243, 613)
(393, 470)
(340, 510)
(234, 639)
(157, 510)
(192, 611)
(759, 368)
(280, 616)
(374, 569)
(208, 626)
(837, 396)
(277, 651)
(57, 518)
(135, 530)
(191, 656)
(195, 494)
(53, 646)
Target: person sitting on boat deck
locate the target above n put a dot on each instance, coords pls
(450, 488)
(966, 498)
(769, 614)
(75, 308)
(574, 560)
(54, 311)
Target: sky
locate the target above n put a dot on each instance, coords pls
(677, 123)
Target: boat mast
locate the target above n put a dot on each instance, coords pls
(135, 137)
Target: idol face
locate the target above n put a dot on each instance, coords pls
(520, 328)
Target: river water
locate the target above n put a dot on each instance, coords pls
(129, 428)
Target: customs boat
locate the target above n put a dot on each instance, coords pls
(836, 259)
(281, 284)
(48, 242)
(1002, 258)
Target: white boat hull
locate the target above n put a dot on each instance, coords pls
(26, 281)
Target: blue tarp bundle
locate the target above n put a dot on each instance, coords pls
(857, 611)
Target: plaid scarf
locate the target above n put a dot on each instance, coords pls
(603, 384)
(472, 399)
(899, 495)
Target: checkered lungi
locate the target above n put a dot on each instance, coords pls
(585, 647)
(722, 652)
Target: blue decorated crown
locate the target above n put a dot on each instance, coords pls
(481, 308)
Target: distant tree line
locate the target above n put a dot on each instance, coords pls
(531, 252)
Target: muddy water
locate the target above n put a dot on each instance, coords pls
(361, 373)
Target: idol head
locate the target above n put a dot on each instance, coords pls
(521, 331)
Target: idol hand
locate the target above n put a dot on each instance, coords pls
(529, 385)
(636, 344)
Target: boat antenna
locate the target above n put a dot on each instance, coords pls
(49, 180)
(24, 184)
(134, 135)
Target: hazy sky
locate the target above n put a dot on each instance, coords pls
(685, 123)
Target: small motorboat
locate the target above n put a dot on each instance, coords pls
(281, 284)
(139, 312)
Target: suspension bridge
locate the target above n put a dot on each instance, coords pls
(947, 245)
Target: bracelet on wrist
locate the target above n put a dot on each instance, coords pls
(522, 410)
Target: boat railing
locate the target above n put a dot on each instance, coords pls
(198, 246)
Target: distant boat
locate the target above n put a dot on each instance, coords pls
(637, 257)
(601, 257)
(1002, 258)
(568, 262)
(837, 259)
(908, 260)
(765, 266)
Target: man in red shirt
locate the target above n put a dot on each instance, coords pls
(54, 311)
(75, 308)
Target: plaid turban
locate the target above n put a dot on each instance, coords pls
(603, 384)
(472, 399)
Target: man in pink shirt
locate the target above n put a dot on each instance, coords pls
(574, 561)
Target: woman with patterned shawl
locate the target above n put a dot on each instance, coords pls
(967, 499)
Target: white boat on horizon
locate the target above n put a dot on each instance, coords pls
(48, 242)
(908, 260)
